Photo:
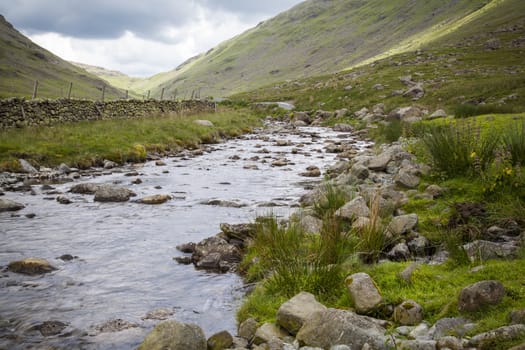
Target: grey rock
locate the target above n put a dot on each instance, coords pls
(480, 294)
(64, 169)
(293, 313)
(361, 113)
(159, 314)
(361, 223)
(517, 316)
(407, 114)
(238, 231)
(206, 123)
(223, 203)
(360, 171)
(27, 167)
(63, 200)
(247, 329)
(310, 224)
(85, 188)
(419, 246)
(9, 205)
(399, 252)
(505, 333)
(449, 342)
(493, 44)
(417, 344)
(268, 331)
(421, 331)
(116, 325)
(341, 127)
(434, 190)
(437, 114)
(484, 250)
(220, 341)
(312, 171)
(340, 347)
(450, 325)
(111, 193)
(354, 209)
(402, 224)
(108, 164)
(408, 313)
(363, 292)
(415, 92)
(338, 327)
(406, 178)
(216, 254)
(51, 328)
(174, 335)
(380, 162)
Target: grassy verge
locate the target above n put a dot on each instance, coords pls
(496, 185)
(87, 143)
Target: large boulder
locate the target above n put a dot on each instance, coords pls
(111, 193)
(499, 335)
(364, 292)
(380, 162)
(354, 209)
(407, 178)
(9, 205)
(480, 294)
(293, 313)
(31, 266)
(339, 327)
(175, 335)
(247, 329)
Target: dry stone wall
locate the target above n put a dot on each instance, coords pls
(19, 113)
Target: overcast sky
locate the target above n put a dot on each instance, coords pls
(137, 37)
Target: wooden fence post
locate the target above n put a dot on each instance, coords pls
(103, 92)
(148, 94)
(69, 90)
(162, 94)
(126, 95)
(35, 89)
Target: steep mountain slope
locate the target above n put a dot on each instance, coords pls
(479, 65)
(22, 62)
(314, 37)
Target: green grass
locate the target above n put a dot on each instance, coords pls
(87, 143)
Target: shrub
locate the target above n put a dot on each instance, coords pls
(459, 149)
(514, 141)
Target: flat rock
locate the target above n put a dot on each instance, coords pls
(116, 325)
(502, 334)
(201, 122)
(31, 266)
(339, 327)
(402, 224)
(268, 331)
(293, 313)
(85, 188)
(9, 205)
(484, 250)
(155, 199)
(51, 328)
(223, 203)
(159, 314)
(27, 167)
(380, 162)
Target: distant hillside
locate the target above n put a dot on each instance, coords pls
(316, 37)
(22, 62)
(478, 64)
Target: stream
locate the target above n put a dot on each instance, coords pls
(125, 267)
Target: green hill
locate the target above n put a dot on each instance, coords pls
(22, 62)
(476, 64)
(318, 37)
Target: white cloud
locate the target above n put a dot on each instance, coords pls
(135, 37)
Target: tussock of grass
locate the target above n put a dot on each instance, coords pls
(86, 143)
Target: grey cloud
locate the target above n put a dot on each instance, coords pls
(97, 19)
(250, 8)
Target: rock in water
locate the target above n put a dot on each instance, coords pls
(155, 199)
(174, 335)
(50, 328)
(85, 188)
(110, 193)
(9, 205)
(31, 266)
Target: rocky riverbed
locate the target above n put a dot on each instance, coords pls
(108, 236)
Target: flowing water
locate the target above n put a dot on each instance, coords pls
(124, 267)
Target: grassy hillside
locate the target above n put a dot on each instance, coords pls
(317, 37)
(478, 64)
(22, 62)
